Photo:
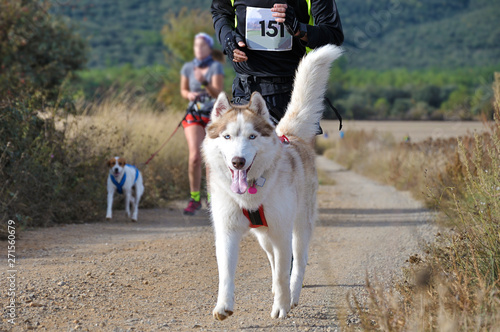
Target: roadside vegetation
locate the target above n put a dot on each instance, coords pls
(39, 180)
(455, 284)
(54, 145)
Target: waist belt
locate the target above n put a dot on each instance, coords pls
(266, 79)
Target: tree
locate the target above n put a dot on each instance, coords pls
(37, 50)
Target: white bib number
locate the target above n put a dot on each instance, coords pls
(263, 33)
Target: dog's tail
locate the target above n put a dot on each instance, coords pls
(306, 105)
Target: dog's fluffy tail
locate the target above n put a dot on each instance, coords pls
(306, 105)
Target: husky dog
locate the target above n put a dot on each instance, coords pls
(266, 176)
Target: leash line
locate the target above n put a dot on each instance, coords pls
(336, 112)
(167, 140)
(164, 143)
(188, 111)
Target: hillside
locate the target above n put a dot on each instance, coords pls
(379, 34)
(468, 38)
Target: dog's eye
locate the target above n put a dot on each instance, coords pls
(252, 136)
(227, 136)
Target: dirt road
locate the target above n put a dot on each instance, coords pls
(161, 273)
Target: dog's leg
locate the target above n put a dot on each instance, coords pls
(109, 212)
(128, 196)
(301, 237)
(139, 190)
(282, 243)
(266, 244)
(227, 243)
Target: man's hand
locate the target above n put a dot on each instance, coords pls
(232, 44)
(286, 14)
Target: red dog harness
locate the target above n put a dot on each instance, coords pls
(256, 218)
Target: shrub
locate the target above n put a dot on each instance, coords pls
(37, 50)
(43, 183)
(455, 285)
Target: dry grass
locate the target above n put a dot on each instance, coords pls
(455, 285)
(131, 128)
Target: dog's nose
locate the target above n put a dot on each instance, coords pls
(238, 162)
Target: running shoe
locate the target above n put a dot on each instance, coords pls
(192, 207)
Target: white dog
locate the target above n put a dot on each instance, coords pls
(262, 176)
(124, 179)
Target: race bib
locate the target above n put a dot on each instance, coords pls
(263, 33)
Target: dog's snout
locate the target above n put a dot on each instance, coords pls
(238, 162)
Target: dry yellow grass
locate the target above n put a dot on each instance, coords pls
(418, 131)
(127, 127)
(455, 286)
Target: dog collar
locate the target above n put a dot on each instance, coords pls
(119, 186)
(284, 139)
(259, 182)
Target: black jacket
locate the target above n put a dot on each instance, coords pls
(327, 29)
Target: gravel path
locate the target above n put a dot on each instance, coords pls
(161, 273)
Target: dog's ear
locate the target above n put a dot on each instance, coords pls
(110, 162)
(221, 106)
(258, 105)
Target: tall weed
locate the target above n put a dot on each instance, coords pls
(455, 285)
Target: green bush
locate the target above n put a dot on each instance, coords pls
(37, 50)
(42, 183)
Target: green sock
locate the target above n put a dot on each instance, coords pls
(195, 195)
(208, 197)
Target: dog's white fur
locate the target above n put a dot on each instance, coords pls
(289, 193)
(117, 168)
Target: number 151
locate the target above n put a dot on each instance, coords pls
(272, 29)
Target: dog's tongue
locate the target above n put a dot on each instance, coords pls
(240, 183)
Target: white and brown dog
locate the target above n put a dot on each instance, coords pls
(124, 179)
(264, 179)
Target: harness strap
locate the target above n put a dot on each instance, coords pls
(119, 186)
(284, 139)
(256, 218)
(136, 172)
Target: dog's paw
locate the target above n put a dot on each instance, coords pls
(279, 311)
(221, 312)
(108, 218)
(133, 219)
(295, 299)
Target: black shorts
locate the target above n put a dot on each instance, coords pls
(276, 91)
